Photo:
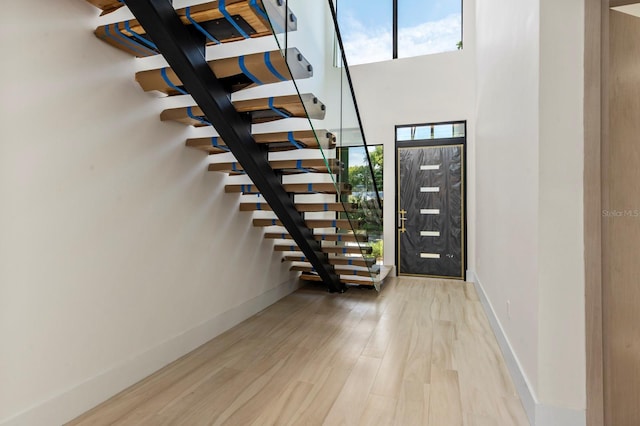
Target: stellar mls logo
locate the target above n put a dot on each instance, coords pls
(621, 213)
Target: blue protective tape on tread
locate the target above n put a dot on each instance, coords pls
(283, 237)
(194, 117)
(165, 77)
(130, 43)
(274, 221)
(107, 32)
(258, 9)
(334, 224)
(258, 206)
(294, 142)
(277, 110)
(223, 9)
(246, 72)
(121, 40)
(310, 187)
(344, 251)
(299, 166)
(350, 262)
(303, 169)
(274, 71)
(292, 248)
(138, 37)
(199, 27)
(326, 207)
(339, 238)
(214, 143)
(137, 46)
(234, 168)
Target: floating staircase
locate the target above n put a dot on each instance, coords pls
(298, 198)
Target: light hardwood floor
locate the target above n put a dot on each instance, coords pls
(419, 353)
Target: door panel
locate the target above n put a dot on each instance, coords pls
(621, 227)
(431, 211)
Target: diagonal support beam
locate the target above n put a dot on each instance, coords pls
(185, 54)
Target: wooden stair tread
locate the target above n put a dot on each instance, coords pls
(335, 260)
(130, 36)
(327, 249)
(350, 237)
(301, 207)
(344, 280)
(347, 249)
(259, 68)
(261, 110)
(295, 188)
(311, 223)
(286, 166)
(340, 271)
(107, 6)
(278, 141)
(380, 273)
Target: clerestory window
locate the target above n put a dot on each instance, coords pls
(380, 30)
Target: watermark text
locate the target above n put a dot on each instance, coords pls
(621, 213)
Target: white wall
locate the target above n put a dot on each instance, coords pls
(422, 89)
(529, 197)
(119, 252)
(507, 169)
(562, 359)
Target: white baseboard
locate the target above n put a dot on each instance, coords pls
(519, 378)
(71, 403)
(539, 414)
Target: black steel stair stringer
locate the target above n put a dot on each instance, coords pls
(184, 53)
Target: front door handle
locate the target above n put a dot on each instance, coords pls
(401, 220)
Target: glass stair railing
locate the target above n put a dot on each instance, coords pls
(267, 101)
(355, 250)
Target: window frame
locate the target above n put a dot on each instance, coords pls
(395, 28)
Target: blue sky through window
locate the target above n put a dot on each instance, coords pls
(424, 27)
(366, 27)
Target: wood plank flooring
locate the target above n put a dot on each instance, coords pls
(419, 353)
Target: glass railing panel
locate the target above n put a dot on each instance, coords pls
(359, 179)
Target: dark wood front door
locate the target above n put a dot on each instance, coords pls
(431, 239)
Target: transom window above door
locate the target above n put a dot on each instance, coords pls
(430, 131)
